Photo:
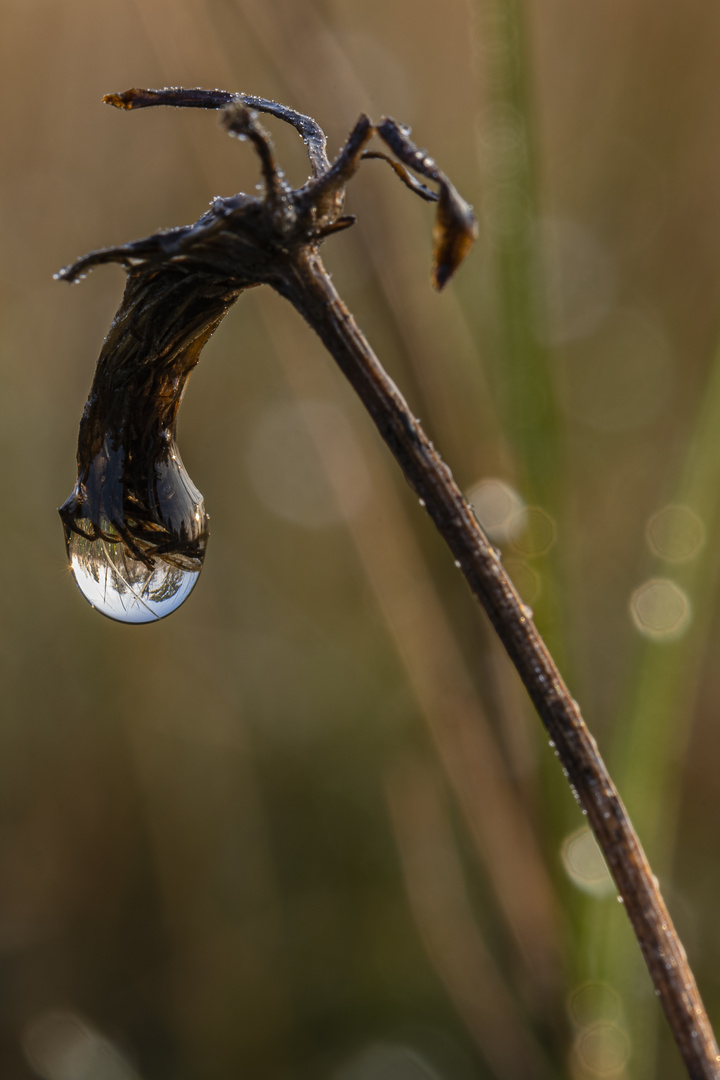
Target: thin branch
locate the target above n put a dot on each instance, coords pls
(246, 241)
(179, 98)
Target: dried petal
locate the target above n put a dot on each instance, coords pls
(454, 233)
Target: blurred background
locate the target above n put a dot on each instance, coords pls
(309, 826)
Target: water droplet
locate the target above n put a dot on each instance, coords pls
(620, 900)
(458, 564)
(135, 540)
(422, 502)
(527, 611)
(124, 587)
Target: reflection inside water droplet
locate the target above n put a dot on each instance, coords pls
(136, 543)
(124, 587)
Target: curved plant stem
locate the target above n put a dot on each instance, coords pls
(310, 290)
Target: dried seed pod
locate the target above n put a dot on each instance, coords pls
(135, 525)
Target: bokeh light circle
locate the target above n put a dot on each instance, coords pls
(660, 609)
(675, 533)
(584, 864)
(499, 508)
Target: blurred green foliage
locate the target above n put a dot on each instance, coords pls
(309, 826)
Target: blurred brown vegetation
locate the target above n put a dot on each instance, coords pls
(309, 826)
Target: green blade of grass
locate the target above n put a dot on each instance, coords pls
(523, 373)
(525, 379)
(655, 718)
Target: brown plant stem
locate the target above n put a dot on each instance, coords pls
(312, 293)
